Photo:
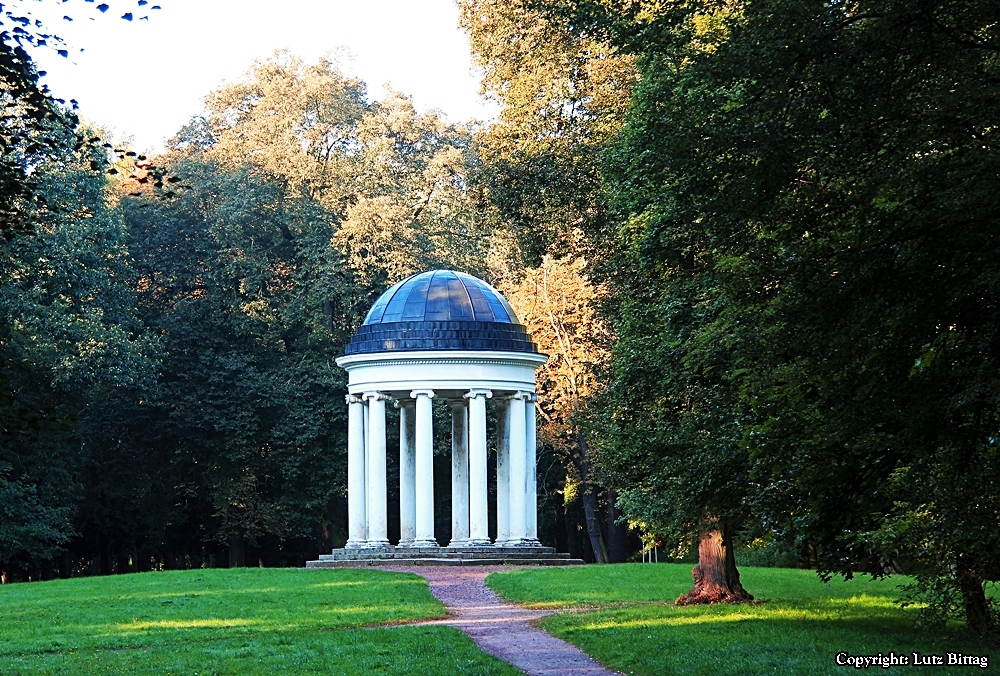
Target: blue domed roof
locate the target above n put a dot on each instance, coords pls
(440, 296)
(441, 310)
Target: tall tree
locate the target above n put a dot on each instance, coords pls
(68, 335)
(70, 338)
(563, 95)
(559, 306)
(811, 190)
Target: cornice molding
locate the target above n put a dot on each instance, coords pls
(350, 362)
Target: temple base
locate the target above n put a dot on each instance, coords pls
(444, 556)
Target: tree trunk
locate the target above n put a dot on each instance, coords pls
(121, 560)
(561, 532)
(977, 610)
(66, 565)
(716, 579)
(617, 532)
(237, 552)
(589, 496)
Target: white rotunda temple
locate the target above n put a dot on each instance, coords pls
(449, 336)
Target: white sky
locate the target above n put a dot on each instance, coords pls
(147, 78)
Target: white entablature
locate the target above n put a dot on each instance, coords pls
(449, 373)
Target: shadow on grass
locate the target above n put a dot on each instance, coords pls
(779, 637)
(439, 651)
(239, 622)
(798, 626)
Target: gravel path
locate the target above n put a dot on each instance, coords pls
(501, 629)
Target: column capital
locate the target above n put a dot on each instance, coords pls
(400, 403)
(427, 393)
(476, 392)
(353, 399)
(376, 396)
(519, 394)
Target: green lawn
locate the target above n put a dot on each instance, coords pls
(243, 622)
(797, 627)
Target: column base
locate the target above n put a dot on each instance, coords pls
(478, 542)
(405, 543)
(356, 544)
(376, 544)
(459, 542)
(519, 542)
(425, 542)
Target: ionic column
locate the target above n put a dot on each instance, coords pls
(357, 531)
(531, 463)
(459, 474)
(407, 473)
(367, 416)
(518, 470)
(424, 472)
(479, 525)
(503, 471)
(377, 522)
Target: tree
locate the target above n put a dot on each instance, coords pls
(33, 123)
(248, 417)
(394, 180)
(68, 334)
(559, 306)
(811, 192)
(70, 337)
(304, 202)
(563, 95)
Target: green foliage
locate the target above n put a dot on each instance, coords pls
(69, 336)
(248, 621)
(29, 529)
(938, 600)
(249, 417)
(808, 193)
(33, 128)
(563, 95)
(797, 626)
(764, 553)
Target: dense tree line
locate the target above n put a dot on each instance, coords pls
(174, 328)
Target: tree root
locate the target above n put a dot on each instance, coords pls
(705, 592)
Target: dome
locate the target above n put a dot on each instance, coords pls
(441, 310)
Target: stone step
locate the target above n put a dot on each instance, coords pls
(437, 561)
(441, 553)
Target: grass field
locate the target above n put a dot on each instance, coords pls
(798, 625)
(244, 622)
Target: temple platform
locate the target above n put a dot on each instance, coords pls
(444, 556)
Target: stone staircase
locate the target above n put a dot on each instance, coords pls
(444, 556)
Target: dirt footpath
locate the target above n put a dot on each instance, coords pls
(500, 629)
